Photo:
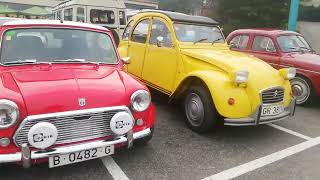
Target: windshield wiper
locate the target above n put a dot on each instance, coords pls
(200, 40)
(76, 61)
(218, 39)
(27, 61)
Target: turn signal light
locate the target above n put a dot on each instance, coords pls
(231, 101)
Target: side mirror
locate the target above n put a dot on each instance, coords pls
(159, 41)
(126, 60)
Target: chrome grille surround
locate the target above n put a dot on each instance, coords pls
(73, 126)
(272, 95)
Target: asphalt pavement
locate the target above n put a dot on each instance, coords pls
(175, 152)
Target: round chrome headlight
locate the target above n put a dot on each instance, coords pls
(140, 100)
(9, 113)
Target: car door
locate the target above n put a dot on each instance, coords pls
(137, 47)
(263, 48)
(160, 64)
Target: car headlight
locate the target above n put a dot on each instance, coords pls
(240, 77)
(140, 100)
(288, 73)
(9, 113)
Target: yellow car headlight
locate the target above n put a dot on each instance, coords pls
(240, 77)
(288, 73)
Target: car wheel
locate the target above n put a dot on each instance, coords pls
(144, 140)
(301, 89)
(200, 111)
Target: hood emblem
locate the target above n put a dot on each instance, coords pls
(82, 101)
(275, 94)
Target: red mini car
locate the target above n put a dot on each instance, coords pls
(282, 49)
(64, 95)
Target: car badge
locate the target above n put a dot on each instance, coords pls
(275, 94)
(82, 102)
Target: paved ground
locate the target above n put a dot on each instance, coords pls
(176, 152)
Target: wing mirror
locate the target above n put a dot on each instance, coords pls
(126, 60)
(160, 41)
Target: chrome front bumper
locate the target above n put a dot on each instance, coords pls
(256, 119)
(26, 156)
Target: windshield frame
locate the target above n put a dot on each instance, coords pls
(5, 29)
(298, 50)
(198, 24)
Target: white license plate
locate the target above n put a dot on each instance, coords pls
(272, 110)
(64, 159)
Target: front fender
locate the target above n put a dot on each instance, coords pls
(221, 89)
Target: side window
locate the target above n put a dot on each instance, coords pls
(68, 14)
(126, 32)
(140, 32)
(240, 41)
(80, 14)
(98, 16)
(160, 30)
(262, 43)
(122, 18)
(59, 14)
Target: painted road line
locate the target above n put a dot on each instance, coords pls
(290, 132)
(263, 161)
(114, 169)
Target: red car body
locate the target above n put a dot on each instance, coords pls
(49, 88)
(306, 63)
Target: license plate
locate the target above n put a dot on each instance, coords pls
(75, 157)
(272, 110)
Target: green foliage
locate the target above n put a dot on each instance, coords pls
(238, 14)
(184, 6)
(309, 13)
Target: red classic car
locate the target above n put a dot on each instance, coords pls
(64, 95)
(282, 49)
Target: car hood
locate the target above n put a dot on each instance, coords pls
(48, 89)
(230, 61)
(305, 60)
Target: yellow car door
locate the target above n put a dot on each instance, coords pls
(160, 64)
(137, 47)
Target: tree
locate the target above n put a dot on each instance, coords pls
(184, 6)
(253, 13)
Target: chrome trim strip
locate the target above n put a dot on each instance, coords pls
(8, 158)
(68, 113)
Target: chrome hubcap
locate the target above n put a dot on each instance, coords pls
(194, 109)
(301, 90)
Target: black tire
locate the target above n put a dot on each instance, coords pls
(144, 140)
(200, 112)
(302, 90)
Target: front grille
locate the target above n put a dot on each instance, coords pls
(72, 128)
(273, 95)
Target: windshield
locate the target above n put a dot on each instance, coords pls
(292, 43)
(201, 33)
(50, 45)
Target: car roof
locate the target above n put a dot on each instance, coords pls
(180, 17)
(16, 21)
(265, 31)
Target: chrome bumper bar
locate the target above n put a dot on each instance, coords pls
(257, 119)
(26, 156)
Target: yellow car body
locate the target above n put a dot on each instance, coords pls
(173, 70)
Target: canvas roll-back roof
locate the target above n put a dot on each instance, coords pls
(180, 17)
